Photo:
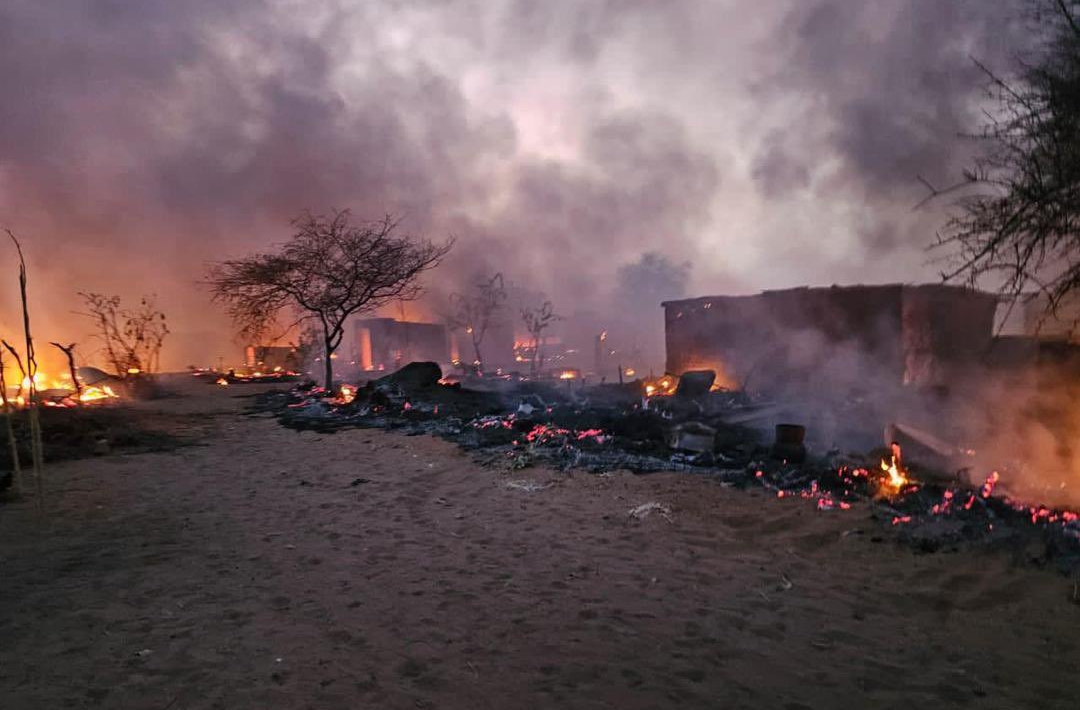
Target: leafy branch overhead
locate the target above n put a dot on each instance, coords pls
(328, 271)
(1018, 210)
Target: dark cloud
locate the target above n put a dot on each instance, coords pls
(894, 86)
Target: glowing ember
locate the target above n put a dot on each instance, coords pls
(543, 433)
(223, 382)
(348, 394)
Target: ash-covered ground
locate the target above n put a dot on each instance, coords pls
(266, 566)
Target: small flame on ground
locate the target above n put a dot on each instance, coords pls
(895, 471)
(60, 392)
(92, 394)
(661, 386)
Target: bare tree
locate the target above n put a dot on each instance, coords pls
(1018, 210)
(328, 271)
(475, 311)
(537, 319)
(132, 338)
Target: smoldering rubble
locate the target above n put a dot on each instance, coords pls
(695, 428)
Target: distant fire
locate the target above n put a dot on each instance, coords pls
(224, 379)
(93, 394)
(59, 392)
(661, 386)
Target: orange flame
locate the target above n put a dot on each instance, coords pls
(93, 394)
(896, 473)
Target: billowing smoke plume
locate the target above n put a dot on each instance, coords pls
(768, 144)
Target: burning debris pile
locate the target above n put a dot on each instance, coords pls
(89, 386)
(694, 429)
(603, 428)
(232, 377)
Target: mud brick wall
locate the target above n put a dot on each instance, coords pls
(839, 335)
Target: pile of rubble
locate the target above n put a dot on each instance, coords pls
(604, 428)
(714, 433)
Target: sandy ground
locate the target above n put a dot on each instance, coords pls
(269, 568)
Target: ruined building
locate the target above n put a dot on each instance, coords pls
(387, 344)
(926, 335)
(272, 358)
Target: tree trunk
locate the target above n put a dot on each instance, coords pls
(69, 350)
(328, 370)
(16, 466)
(479, 363)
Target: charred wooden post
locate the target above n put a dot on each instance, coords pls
(36, 447)
(69, 351)
(18, 363)
(16, 465)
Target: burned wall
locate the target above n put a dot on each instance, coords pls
(270, 358)
(386, 343)
(785, 339)
(946, 330)
(851, 338)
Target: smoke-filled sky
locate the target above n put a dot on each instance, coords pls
(769, 143)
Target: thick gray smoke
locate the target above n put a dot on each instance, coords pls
(768, 144)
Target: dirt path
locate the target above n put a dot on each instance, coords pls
(276, 569)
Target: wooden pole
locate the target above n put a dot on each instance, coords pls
(34, 413)
(16, 465)
(69, 350)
